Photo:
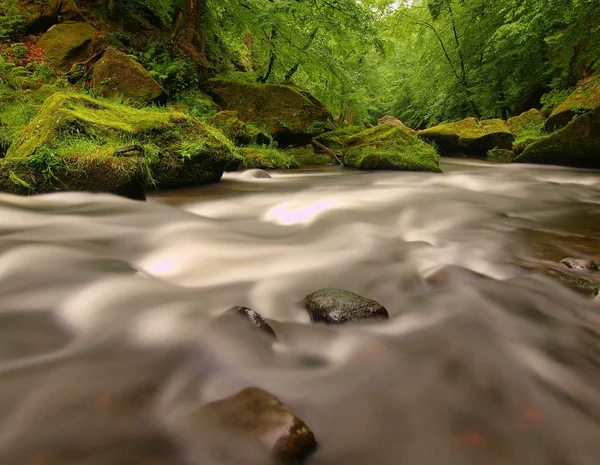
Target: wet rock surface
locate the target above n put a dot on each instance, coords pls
(454, 275)
(253, 427)
(253, 317)
(337, 306)
(580, 264)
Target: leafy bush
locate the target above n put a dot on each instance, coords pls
(173, 72)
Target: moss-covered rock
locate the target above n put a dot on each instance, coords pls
(392, 121)
(334, 140)
(530, 121)
(116, 74)
(577, 144)
(585, 98)
(388, 147)
(178, 150)
(66, 44)
(470, 136)
(40, 16)
(291, 115)
(500, 155)
(265, 158)
(308, 155)
(229, 123)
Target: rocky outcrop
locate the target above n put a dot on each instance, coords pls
(470, 136)
(40, 16)
(388, 147)
(337, 306)
(116, 74)
(75, 141)
(334, 140)
(289, 114)
(530, 121)
(577, 144)
(392, 121)
(66, 44)
(252, 427)
(229, 123)
(585, 98)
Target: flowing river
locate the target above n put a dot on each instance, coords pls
(110, 337)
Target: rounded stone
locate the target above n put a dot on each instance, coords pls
(337, 306)
(253, 317)
(580, 264)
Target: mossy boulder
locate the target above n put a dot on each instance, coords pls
(66, 44)
(289, 114)
(585, 98)
(500, 155)
(309, 155)
(40, 16)
(388, 147)
(265, 158)
(393, 121)
(229, 123)
(334, 140)
(577, 144)
(117, 74)
(177, 150)
(530, 121)
(470, 136)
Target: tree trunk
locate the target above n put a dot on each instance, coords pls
(188, 32)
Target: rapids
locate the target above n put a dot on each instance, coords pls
(109, 334)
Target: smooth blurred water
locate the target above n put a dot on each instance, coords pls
(111, 336)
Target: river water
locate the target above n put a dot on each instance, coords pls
(110, 337)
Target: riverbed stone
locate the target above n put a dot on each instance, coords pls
(454, 275)
(253, 426)
(580, 264)
(290, 115)
(66, 44)
(470, 136)
(389, 147)
(118, 75)
(253, 317)
(338, 306)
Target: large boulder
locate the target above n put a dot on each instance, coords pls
(470, 136)
(388, 147)
(393, 121)
(289, 114)
(66, 44)
(577, 144)
(585, 98)
(531, 121)
(334, 140)
(40, 16)
(252, 427)
(79, 134)
(116, 74)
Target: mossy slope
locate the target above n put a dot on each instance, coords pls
(178, 150)
(585, 98)
(388, 147)
(116, 75)
(577, 144)
(470, 136)
(290, 115)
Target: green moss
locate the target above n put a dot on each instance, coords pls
(389, 148)
(266, 158)
(290, 115)
(40, 15)
(66, 44)
(179, 150)
(118, 75)
(577, 144)
(334, 140)
(197, 104)
(585, 98)
(530, 122)
(307, 155)
(470, 136)
(500, 155)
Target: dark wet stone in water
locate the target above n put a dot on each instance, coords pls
(578, 284)
(254, 427)
(253, 317)
(580, 264)
(454, 275)
(256, 174)
(336, 306)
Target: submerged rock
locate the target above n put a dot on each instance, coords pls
(337, 306)
(470, 136)
(71, 145)
(116, 74)
(256, 174)
(253, 427)
(577, 144)
(585, 98)
(580, 264)
(253, 317)
(66, 44)
(454, 275)
(289, 114)
(389, 147)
